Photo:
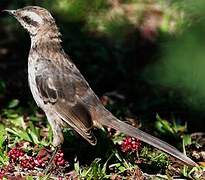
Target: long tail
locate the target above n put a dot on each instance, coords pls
(113, 122)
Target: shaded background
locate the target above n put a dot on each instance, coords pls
(147, 56)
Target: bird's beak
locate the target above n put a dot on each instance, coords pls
(11, 12)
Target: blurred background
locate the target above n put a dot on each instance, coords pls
(144, 56)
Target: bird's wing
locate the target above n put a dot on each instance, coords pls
(64, 88)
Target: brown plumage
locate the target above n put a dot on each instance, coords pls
(62, 92)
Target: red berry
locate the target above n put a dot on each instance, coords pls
(59, 159)
(2, 173)
(15, 154)
(105, 100)
(27, 162)
(39, 162)
(130, 144)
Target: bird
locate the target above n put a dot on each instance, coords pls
(62, 92)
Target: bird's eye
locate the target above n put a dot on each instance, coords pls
(27, 19)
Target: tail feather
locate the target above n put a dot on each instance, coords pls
(129, 130)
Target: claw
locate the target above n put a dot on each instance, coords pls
(50, 163)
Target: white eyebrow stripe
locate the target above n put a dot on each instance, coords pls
(33, 16)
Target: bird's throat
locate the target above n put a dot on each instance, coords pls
(46, 45)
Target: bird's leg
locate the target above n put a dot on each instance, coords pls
(50, 163)
(57, 137)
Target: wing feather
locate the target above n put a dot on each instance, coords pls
(63, 88)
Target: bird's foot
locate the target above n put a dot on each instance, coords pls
(50, 163)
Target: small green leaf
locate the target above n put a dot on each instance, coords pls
(186, 140)
(13, 103)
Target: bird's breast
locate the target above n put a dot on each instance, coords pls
(32, 80)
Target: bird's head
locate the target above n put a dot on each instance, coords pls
(35, 20)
